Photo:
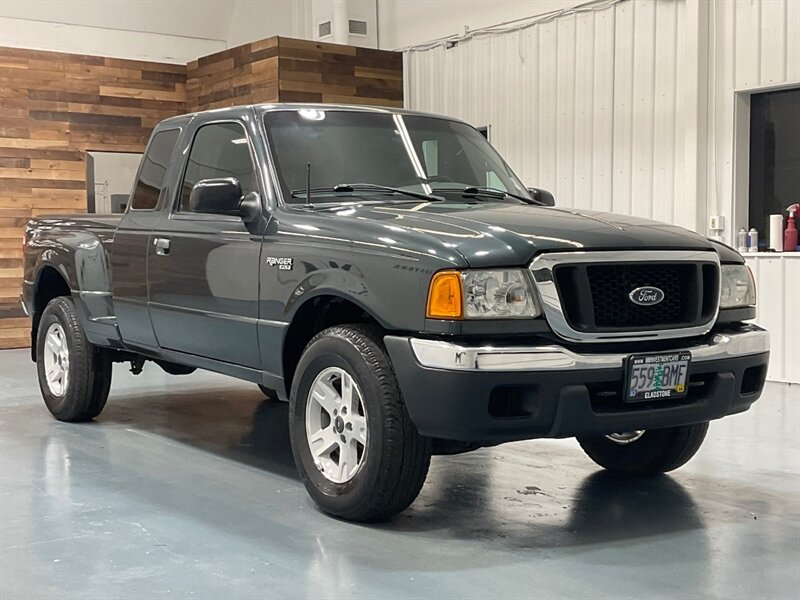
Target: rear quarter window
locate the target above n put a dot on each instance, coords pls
(154, 167)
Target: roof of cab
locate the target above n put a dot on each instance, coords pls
(269, 107)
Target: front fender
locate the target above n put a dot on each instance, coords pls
(348, 285)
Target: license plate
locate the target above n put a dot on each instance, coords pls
(658, 376)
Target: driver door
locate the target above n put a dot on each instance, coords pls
(204, 268)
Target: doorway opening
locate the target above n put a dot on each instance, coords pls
(109, 180)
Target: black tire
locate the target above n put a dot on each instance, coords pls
(269, 393)
(89, 371)
(656, 451)
(396, 457)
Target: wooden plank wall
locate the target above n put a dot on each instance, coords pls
(246, 74)
(280, 69)
(332, 73)
(55, 107)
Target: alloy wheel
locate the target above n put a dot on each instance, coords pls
(336, 425)
(627, 437)
(56, 359)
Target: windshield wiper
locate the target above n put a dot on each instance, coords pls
(365, 187)
(491, 192)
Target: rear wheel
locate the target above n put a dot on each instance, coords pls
(357, 451)
(74, 375)
(647, 452)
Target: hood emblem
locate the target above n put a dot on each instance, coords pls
(646, 295)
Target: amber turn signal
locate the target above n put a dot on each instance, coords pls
(445, 297)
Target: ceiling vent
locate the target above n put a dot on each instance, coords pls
(357, 27)
(324, 29)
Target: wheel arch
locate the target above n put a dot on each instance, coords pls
(317, 312)
(50, 282)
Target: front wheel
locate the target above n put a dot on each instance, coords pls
(74, 375)
(357, 451)
(645, 452)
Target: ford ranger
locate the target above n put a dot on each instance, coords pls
(388, 274)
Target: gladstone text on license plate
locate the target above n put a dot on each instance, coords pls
(657, 376)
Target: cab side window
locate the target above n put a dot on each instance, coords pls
(218, 150)
(154, 168)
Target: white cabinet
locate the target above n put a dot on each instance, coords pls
(778, 282)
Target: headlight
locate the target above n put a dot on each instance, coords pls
(491, 294)
(738, 287)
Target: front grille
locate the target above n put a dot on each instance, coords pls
(595, 297)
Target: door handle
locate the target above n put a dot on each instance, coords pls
(162, 246)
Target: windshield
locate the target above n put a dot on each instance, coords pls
(421, 154)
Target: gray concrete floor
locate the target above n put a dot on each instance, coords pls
(185, 487)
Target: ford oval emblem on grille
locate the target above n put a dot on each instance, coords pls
(646, 296)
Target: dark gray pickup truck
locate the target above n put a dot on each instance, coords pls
(387, 273)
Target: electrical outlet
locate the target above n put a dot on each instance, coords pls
(716, 222)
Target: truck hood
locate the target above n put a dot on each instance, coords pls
(498, 234)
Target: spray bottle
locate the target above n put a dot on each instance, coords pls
(790, 235)
(741, 241)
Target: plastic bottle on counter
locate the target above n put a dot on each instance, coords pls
(752, 240)
(741, 241)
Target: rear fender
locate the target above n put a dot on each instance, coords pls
(81, 259)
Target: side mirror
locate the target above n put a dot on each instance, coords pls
(223, 196)
(543, 197)
(220, 196)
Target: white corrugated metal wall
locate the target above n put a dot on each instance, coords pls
(588, 106)
(598, 108)
(755, 46)
(778, 282)
(601, 109)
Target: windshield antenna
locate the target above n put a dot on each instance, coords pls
(308, 184)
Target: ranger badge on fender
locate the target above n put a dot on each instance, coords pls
(284, 264)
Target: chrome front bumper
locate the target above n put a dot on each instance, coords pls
(445, 355)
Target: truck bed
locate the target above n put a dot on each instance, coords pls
(80, 221)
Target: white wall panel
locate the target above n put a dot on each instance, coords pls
(756, 46)
(584, 105)
(78, 39)
(665, 125)
(206, 19)
(251, 21)
(778, 281)
(631, 108)
(601, 110)
(408, 22)
(623, 131)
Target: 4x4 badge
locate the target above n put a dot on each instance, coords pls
(284, 264)
(646, 295)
